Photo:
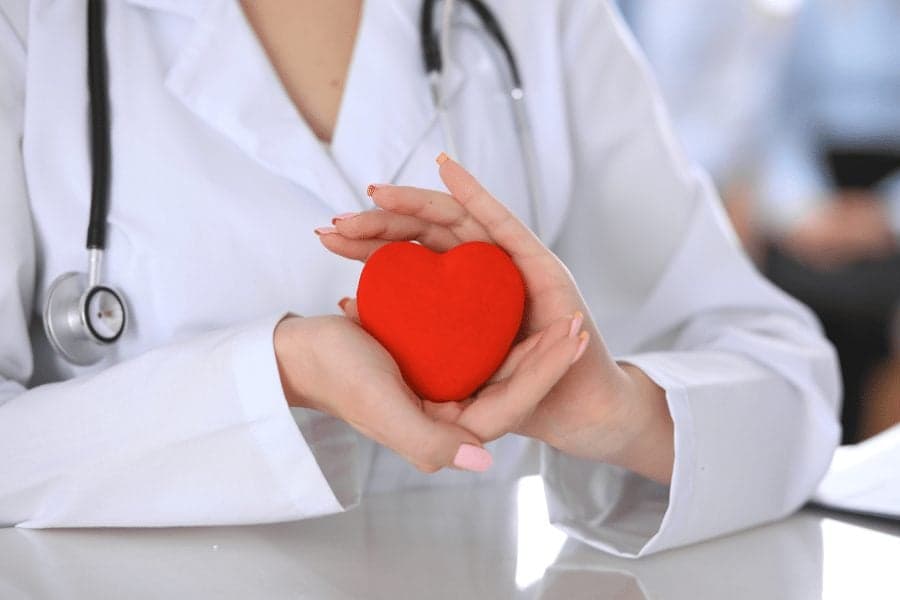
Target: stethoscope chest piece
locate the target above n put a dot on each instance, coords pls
(80, 320)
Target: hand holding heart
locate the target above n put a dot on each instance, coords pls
(597, 409)
(331, 364)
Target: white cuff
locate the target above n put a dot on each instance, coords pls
(326, 448)
(748, 449)
(193, 433)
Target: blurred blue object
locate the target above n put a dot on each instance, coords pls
(716, 62)
(830, 183)
(801, 99)
(840, 89)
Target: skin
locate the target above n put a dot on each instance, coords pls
(554, 386)
(310, 44)
(599, 409)
(331, 364)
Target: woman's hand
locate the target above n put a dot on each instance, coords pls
(599, 409)
(332, 365)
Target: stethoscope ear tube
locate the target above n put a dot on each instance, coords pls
(433, 48)
(492, 26)
(431, 51)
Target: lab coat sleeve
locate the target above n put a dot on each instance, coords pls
(193, 433)
(751, 384)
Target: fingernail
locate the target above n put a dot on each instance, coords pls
(577, 320)
(343, 302)
(371, 189)
(473, 458)
(343, 216)
(442, 158)
(582, 346)
(324, 230)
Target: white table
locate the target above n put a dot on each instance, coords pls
(488, 542)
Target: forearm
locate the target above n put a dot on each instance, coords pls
(624, 423)
(650, 448)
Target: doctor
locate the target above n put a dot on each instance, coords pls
(703, 403)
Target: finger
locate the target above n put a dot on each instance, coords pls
(518, 352)
(448, 412)
(432, 206)
(348, 307)
(503, 407)
(388, 411)
(353, 249)
(499, 222)
(431, 445)
(386, 225)
(449, 446)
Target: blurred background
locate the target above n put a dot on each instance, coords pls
(793, 107)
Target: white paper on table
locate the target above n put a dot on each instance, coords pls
(865, 477)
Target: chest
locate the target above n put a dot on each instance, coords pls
(310, 44)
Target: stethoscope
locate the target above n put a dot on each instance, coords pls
(83, 318)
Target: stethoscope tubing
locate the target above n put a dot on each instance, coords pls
(98, 88)
(434, 50)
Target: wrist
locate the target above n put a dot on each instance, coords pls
(643, 419)
(621, 418)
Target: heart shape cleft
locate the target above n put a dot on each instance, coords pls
(448, 319)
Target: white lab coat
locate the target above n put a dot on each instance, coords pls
(217, 185)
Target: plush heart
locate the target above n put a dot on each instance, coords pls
(448, 319)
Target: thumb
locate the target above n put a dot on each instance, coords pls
(348, 306)
(402, 426)
(448, 445)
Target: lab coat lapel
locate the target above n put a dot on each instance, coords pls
(225, 78)
(387, 108)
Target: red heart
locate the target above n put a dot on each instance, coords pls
(448, 319)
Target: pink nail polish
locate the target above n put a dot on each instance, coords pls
(442, 158)
(473, 458)
(371, 189)
(324, 230)
(577, 320)
(582, 346)
(344, 216)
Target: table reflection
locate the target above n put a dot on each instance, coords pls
(782, 560)
(477, 542)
